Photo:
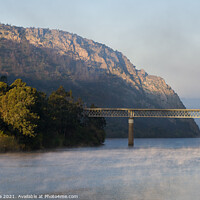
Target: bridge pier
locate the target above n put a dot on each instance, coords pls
(130, 132)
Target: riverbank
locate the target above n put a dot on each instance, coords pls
(9, 145)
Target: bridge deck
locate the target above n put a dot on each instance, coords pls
(129, 112)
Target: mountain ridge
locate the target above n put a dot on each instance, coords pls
(92, 70)
(105, 59)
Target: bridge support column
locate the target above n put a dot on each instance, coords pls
(130, 132)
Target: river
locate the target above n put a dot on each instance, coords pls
(155, 169)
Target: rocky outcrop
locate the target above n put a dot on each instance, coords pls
(94, 71)
(100, 57)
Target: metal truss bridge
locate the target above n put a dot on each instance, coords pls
(129, 112)
(132, 113)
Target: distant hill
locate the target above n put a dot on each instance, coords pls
(47, 58)
(192, 103)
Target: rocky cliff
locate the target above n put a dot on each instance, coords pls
(97, 73)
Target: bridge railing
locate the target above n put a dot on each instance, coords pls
(128, 112)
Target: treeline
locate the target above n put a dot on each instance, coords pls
(30, 120)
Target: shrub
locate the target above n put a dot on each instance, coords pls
(8, 143)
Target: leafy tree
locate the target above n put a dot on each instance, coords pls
(3, 88)
(70, 94)
(65, 115)
(30, 119)
(18, 83)
(3, 79)
(16, 108)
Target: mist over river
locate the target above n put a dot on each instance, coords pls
(155, 169)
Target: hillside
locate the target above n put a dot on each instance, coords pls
(47, 58)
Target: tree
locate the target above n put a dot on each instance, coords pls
(17, 108)
(18, 83)
(64, 113)
(3, 88)
(35, 121)
(3, 79)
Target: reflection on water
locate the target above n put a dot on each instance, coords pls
(154, 169)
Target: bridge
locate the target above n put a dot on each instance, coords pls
(132, 113)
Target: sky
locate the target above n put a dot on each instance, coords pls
(160, 36)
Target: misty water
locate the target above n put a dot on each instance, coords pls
(154, 169)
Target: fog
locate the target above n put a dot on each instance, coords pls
(154, 169)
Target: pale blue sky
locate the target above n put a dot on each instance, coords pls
(160, 36)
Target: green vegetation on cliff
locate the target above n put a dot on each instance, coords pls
(31, 120)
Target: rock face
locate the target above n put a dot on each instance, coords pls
(92, 70)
